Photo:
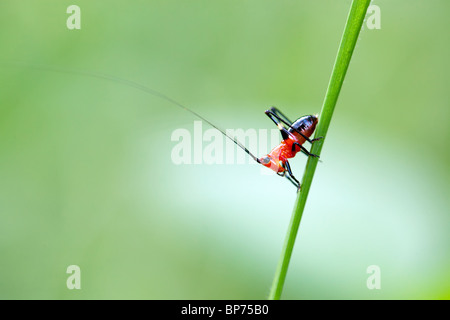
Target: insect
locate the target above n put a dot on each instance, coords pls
(294, 134)
(294, 137)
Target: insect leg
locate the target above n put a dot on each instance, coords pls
(291, 177)
(278, 120)
(303, 149)
(281, 116)
(288, 122)
(293, 182)
(285, 134)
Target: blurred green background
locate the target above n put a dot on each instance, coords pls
(86, 176)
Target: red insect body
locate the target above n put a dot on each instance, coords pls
(289, 147)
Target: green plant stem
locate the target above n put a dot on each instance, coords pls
(352, 29)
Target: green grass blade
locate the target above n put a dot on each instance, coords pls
(352, 29)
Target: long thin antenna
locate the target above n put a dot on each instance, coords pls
(144, 89)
